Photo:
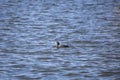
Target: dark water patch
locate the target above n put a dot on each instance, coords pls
(18, 66)
(24, 77)
(72, 74)
(110, 73)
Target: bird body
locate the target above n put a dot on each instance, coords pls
(63, 46)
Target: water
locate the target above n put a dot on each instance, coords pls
(30, 28)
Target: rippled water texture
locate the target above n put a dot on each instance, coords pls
(29, 30)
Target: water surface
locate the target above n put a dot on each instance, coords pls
(30, 28)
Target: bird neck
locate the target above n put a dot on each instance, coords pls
(58, 44)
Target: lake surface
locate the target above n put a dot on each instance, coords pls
(29, 30)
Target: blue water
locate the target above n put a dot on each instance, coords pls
(29, 30)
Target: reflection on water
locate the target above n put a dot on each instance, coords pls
(29, 30)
